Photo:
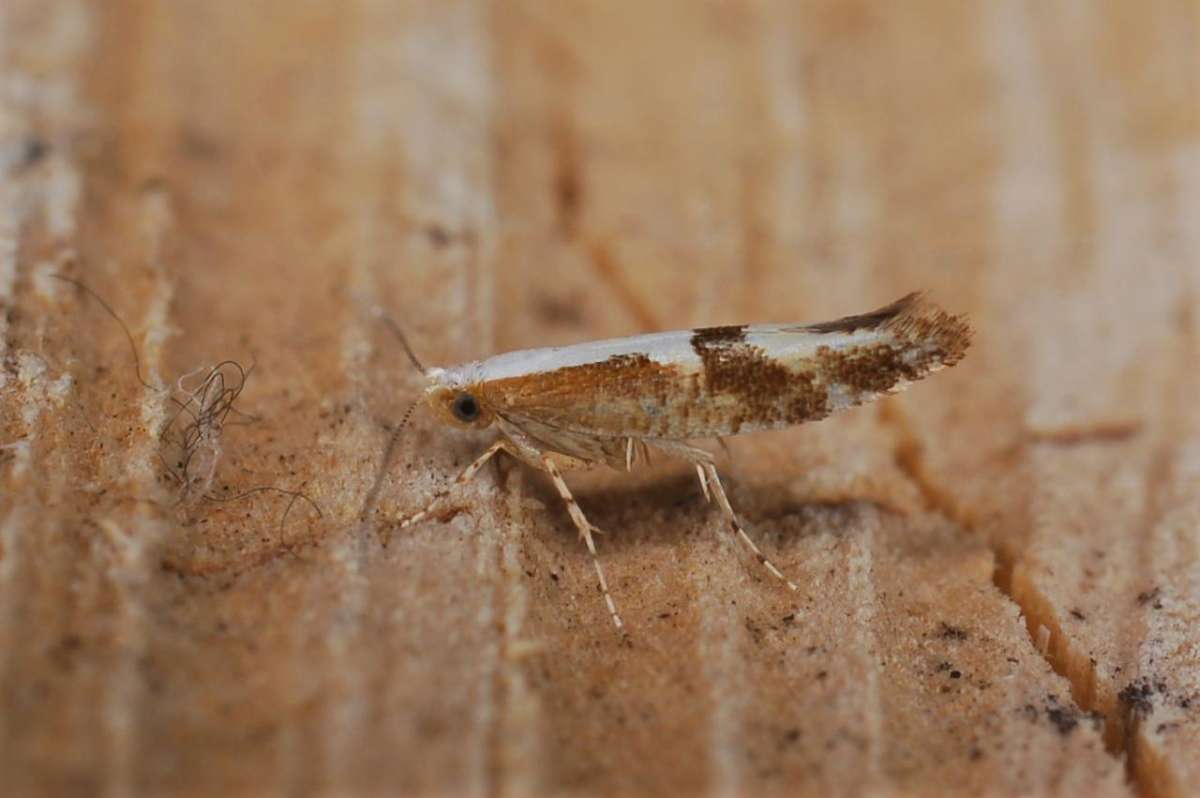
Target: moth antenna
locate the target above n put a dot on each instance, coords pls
(407, 415)
(379, 313)
(439, 495)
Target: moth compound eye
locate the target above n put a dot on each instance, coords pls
(465, 407)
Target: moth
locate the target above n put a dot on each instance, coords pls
(611, 402)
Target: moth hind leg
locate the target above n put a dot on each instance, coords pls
(718, 490)
(703, 482)
(710, 483)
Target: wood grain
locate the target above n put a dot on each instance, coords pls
(999, 570)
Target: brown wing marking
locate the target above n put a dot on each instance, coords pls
(610, 395)
(764, 391)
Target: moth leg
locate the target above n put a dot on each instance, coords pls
(470, 471)
(585, 532)
(735, 525)
(703, 482)
(710, 483)
(645, 452)
(466, 475)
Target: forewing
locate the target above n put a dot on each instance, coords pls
(725, 380)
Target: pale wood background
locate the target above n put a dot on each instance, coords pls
(985, 561)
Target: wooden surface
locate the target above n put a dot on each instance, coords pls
(1000, 570)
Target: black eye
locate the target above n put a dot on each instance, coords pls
(465, 407)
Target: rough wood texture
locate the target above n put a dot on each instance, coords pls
(984, 561)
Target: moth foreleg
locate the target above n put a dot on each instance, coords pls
(465, 476)
(585, 532)
(470, 471)
(718, 490)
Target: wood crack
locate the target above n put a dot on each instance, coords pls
(1045, 632)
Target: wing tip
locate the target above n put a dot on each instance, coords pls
(872, 320)
(922, 322)
(915, 319)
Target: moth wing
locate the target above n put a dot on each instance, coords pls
(719, 381)
(857, 359)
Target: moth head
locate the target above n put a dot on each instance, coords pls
(454, 393)
(458, 403)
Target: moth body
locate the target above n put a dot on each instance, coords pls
(604, 401)
(709, 382)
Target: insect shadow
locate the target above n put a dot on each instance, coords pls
(670, 509)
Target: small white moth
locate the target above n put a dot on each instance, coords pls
(606, 402)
